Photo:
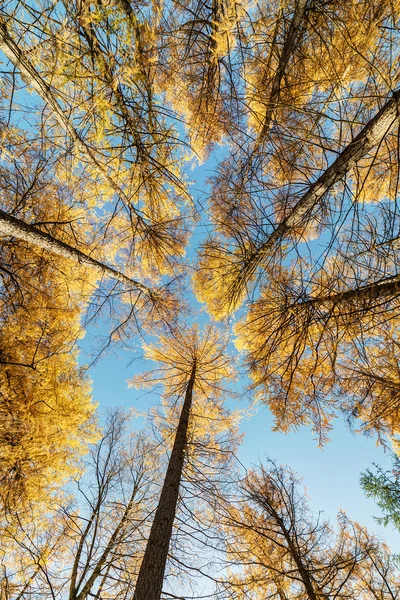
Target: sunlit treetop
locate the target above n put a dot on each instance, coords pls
(182, 350)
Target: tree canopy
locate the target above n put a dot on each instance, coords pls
(109, 110)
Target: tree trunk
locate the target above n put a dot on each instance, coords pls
(390, 286)
(13, 227)
(369, 137)
(291, 41)
(296, 556)
(101, 563)
(151, 574)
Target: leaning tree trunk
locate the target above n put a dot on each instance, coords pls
(369, 137)
(151, 574)
(11, 226)
(384, 289)
(290, 536)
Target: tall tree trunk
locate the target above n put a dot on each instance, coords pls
(13, 227)
(377, 290)
(370, 136)
(293, 37)
(151, 574)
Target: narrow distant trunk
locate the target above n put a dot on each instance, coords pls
(151, 574)
(293, 37)
(102, 561)
(13, 227)
(290, 537)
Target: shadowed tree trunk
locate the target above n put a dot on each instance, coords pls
(291, 42)
(13, 227)
(369, 137)
(151, 574)
(386, 289)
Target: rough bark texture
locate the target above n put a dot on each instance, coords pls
(151, 574)
(13, 227)
(385, 288)
(369, 137)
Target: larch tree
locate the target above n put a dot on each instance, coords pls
(305, 214)
(322, 147)
(46, 409)
(56, 251)
(201, 57)
(278, 549)
(100, 116)
(328, 344)
(91, 542)
(103, 105)
(195, 369)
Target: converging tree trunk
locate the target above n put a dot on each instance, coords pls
(294, 35)
(369, 137)
(11, 226)
(151, 574)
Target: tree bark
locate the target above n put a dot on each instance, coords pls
(389, 286)
(290, 537)
(369, 137)
(291, 41)
(13, 227)
(151, 574)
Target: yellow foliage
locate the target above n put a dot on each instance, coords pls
(212, 428)
(46, 409)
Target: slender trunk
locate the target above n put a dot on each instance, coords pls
(32, 77)
(292, 39)
(151, 574)
(370, 136)
(297, 558)
(101, 563)
(11, 226)
(390, 286)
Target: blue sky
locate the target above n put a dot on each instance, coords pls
(330, 475)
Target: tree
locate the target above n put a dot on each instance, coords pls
(91, 542)
(304, 221)
(95, 213)
(384, 487)
(283, 551)
(197, 369)
(137, 168)
(46, 409)
(201, 55)
(234, 269)
(315, 350)
(49, 278)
